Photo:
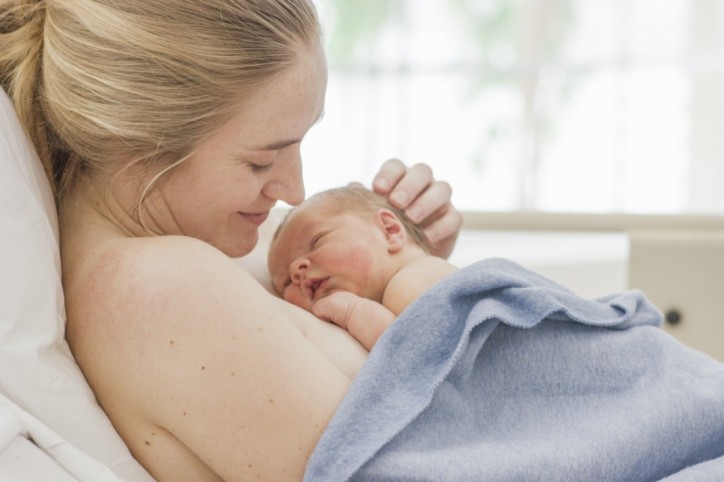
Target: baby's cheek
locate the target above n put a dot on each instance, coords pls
(356, 259)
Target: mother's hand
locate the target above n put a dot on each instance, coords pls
(424, 200)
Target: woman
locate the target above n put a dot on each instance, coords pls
(169, 130)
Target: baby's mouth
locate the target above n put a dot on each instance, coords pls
(315, 287)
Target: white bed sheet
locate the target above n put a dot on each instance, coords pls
(21, 460)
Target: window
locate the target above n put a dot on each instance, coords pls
(557, 105)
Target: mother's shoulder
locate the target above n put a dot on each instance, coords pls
(159, 277)
(167, 259)
(160, 249)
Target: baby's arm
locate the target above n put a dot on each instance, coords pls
(364, 319)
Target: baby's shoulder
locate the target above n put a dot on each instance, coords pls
(413, 279)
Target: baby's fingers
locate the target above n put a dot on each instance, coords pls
(335, 308)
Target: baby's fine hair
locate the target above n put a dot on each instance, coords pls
(357, 198)
(100, 85)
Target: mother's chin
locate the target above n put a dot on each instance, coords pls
(235, 242)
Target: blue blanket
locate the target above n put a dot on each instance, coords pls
(497, 373)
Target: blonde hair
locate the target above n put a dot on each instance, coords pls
(356, 198)
(101, 85)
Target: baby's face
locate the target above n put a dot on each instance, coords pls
(316, 254)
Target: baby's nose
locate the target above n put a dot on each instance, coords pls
(298, 269)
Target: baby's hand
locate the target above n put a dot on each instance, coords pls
(364, 319)
(337, 308)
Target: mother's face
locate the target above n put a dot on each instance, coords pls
(226, 189)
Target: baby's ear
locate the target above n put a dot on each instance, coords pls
(393, 229)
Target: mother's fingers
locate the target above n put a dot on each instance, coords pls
(388, 176)
(443, 232)
(414, 184)
(425, 201)
(434, 198)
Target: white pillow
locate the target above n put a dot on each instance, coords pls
(37, 371)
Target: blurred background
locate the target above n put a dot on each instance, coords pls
(552, 105)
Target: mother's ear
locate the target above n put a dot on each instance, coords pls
(392, 227)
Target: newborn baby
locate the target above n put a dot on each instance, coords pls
(349, 257)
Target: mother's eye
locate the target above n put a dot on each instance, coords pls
(260, 168)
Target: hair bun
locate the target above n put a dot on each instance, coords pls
(21, 29)
(14, 15)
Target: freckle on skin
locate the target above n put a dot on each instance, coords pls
(259, 329)
(147, 442)
(203, 367)
(184, 414)
(233, 374)
(170, 342)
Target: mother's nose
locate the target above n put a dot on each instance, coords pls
(288, 185)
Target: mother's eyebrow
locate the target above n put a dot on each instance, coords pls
(277, 146)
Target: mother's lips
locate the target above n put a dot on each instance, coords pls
(256, 218)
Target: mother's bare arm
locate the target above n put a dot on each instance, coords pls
(209, 358)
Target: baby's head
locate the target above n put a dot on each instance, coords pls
(347, 238)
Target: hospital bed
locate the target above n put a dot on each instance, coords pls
(51, 427)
